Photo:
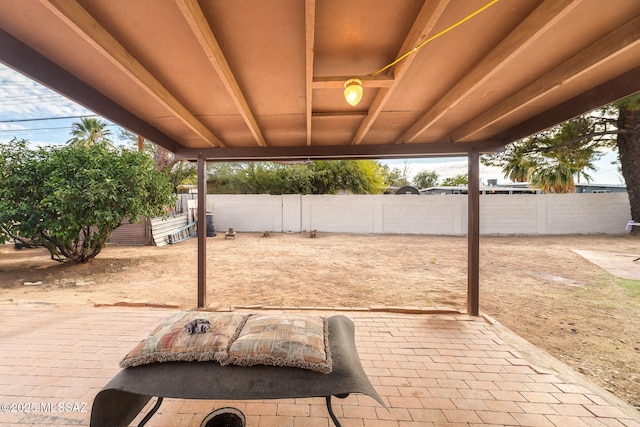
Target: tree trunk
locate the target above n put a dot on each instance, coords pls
(629, 150)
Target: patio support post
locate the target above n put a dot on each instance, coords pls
(473, 233)
(202, 231)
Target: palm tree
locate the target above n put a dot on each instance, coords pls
(90, 131)
(554, 178)
(518, 165)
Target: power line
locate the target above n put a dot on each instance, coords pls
(47, 118)
(31, 129)
(27, 130)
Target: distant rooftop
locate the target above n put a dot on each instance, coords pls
(515, 188)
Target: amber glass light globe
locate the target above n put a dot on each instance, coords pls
(353, 91)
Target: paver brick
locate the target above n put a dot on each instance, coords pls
(430, 415)
(310, 422)
(537, 408)
(360, 412)
(275, 421)
(296, 410)
(498, 418)
(532, 420)
(405, 402)
(461, 416)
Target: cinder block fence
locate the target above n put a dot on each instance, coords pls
(413, 214)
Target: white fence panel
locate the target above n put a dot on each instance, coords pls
(425, 214)
(254, 212)
(580, 213)
(340, 214)
(291, 213)
(412, 214)
(509, 214)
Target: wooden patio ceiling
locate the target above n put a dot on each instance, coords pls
(256, 79)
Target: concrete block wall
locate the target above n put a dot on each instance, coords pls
(406, 214)
(509, 214)
(253, 212)
(341, 214)
(412, 214)
(608, 213)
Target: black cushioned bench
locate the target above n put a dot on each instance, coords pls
(122, 399)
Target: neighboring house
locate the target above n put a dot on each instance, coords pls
(585, 187)
(462, 189)
(521, 188)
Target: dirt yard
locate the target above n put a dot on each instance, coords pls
(536, 286)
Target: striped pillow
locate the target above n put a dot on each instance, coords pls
(172, 342)
(282, 340)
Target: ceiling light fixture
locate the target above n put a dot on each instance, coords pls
(353, 87)
(353, 91)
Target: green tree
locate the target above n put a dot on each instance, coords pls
(70, 199)
(90, 131)
(461, 179)
(225, 178)
(317, 177)
(178, 172)
(396, 177)
(259, 178)
(555, 159)
(426, 179)
(516, 166)
(347, 176)
(181, 173)
(557, 178)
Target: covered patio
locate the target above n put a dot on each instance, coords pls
(430, 370)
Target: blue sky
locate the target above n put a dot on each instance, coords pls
(33, 112)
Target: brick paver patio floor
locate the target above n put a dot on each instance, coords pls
(430, 369)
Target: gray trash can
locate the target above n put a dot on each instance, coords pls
(211, 230)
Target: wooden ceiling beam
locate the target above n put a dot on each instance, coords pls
(420, 30)
(619, 42)
(338, 152)
(310, 38)
(333, 114)
(535, 25)
(80, 20)
(202, 30)
(337, 82)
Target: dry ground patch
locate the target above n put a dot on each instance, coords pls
(536, 286)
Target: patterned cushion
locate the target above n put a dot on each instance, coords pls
(171, 341)
(282, 340)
